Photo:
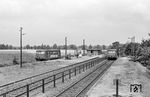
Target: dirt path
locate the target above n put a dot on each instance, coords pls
(128, 73)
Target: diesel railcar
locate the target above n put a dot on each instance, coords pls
(111, 54)
(49, 54)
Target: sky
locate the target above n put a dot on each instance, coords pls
(97, 21)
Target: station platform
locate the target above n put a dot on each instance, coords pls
(134, 81)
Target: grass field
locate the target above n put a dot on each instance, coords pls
(7, 56)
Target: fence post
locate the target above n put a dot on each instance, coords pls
(54, 80)
(93, 64)
(90, 64)
(79, 69)
(75, 71)
(27, 90)
(62, 77)
(86, 66)
(83, 68)
(69, 73)
(43, 88)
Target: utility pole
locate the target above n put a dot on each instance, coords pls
(65, 47)
(20, 47)
(117, 83)
(83, 47)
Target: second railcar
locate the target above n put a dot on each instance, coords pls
(49, 54)
(111, 54)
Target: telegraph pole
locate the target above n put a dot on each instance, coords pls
(20, 47)
(117, 83)
(83, 46)
(65, 47)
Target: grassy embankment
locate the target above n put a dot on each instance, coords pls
(6, 58)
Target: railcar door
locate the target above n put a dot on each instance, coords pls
(46, 55)
(59, 54)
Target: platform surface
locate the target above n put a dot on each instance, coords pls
(128, 73)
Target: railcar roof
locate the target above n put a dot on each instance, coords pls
(48, 50)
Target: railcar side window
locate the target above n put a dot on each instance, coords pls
(55, 53)
(40, 52)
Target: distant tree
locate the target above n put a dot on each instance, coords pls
(132, 49)
(103, 47)
(61, 47)
(80, 47)
(90, 47)
(41, 46)
(145, 43)
(110, 47)
(55, 46)
(115, 45)
(97, 47)
(10, 47)
(28, 46)
(72, 46)
(48, 47)
(86, 47)
(34, 47)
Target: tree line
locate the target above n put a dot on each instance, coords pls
(138, 51)
(54, 46)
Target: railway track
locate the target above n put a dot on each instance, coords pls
(79, 88)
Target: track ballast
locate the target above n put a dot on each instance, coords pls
(79, 88)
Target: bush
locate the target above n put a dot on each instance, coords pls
(15, 61)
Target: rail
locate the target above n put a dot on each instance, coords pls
(77, 88)
(25, 86)
(86, 88)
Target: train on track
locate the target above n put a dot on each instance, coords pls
(48, 54)
(111, 54)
